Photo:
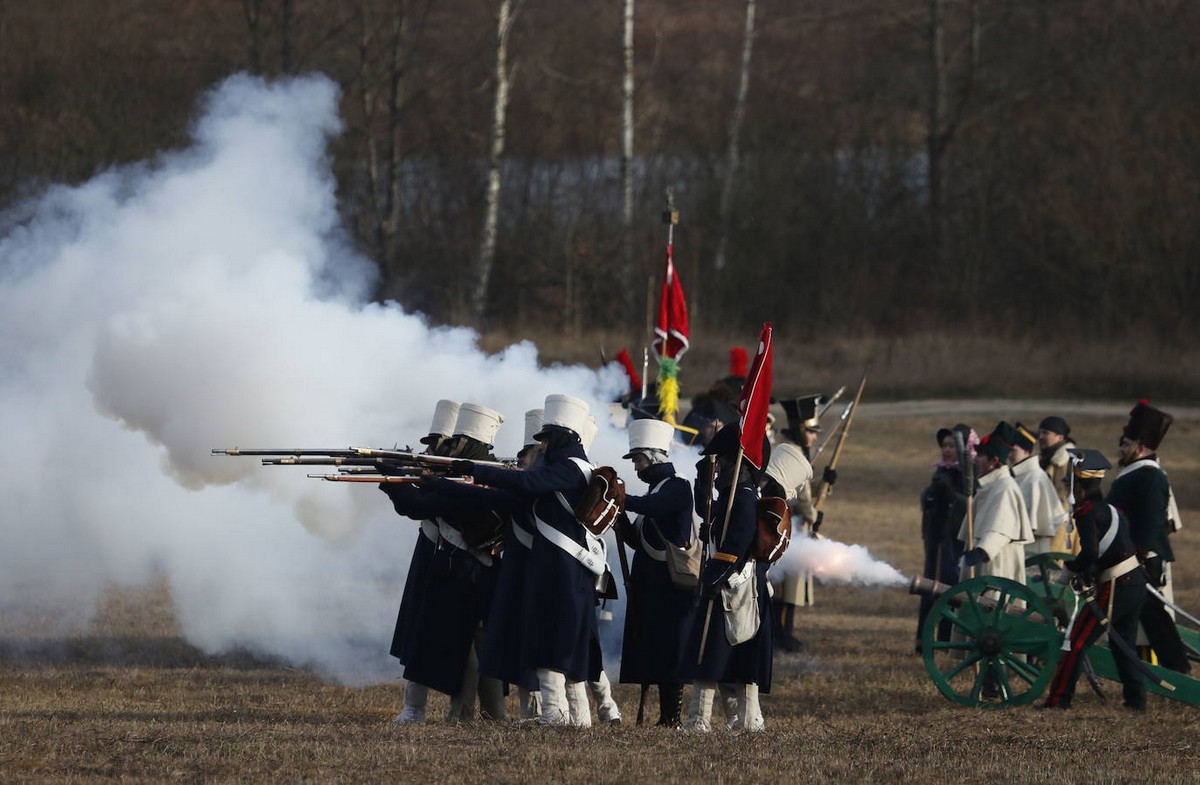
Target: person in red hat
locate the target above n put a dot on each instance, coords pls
(1142, 491)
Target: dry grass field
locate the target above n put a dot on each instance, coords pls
(128, 700)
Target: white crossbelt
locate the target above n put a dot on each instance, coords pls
(430, 530)
(592, 557)
(640, 521)
(1110, 536)
(455, 538)
(523, 535)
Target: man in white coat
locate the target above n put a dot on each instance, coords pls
(1001, 527)
(1046, 511)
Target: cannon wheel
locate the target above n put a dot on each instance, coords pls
(997, 656)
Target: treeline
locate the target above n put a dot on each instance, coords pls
(900, 165)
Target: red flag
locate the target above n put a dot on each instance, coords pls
(756, 400)
(671, 332)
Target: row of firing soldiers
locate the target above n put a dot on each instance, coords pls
(505, 584)
(1025, 505)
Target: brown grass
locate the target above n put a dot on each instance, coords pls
(128, 699)
(925, 364)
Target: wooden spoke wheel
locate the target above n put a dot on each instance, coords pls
(1003, 644)
(1044, 570)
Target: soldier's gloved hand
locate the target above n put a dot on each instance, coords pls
(462, 468)
(1154, 571)
(714, 576)
(975, 557)
(816, 525)
(829, 476)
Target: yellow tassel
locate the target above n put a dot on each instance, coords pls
(668, 398)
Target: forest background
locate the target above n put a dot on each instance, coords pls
(968, 196)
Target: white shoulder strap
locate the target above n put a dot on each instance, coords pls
(1110, 536)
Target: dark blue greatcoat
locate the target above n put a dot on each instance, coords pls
(453, 599)
(500, 654)
(656, 611)
(560, 630)
(414, 587)
(749, 662)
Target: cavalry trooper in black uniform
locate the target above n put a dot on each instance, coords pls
(449, 614)
(445, 415)
(656, 608)
(1108, 562)
(1142, 492)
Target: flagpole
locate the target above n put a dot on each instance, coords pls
(668, 364)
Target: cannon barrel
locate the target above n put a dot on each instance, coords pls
(928, 586)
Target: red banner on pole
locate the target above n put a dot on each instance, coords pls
(756, 401)
(671, 332)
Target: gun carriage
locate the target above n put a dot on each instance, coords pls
(1006, 639)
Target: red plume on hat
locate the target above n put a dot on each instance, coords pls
(635, 381)
(737, 361)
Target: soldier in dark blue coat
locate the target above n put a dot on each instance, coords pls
(1108, 561)
(565, 562)
(728, 629)
(500, 652)
(656, 608)
(448, 614)
(1142, 492)
(416, 695)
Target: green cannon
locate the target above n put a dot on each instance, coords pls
(1006, 637)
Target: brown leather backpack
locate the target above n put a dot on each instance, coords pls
(602, 502)
(774, 529)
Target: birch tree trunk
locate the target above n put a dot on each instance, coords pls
(733, 153)
(487, 240)
(627, 163)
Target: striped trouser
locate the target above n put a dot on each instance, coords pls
(1086, 628)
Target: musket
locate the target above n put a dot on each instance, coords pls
(405, 457)
(378, 478)
(835, 429)
(968, 470)
(823, 493)
(352, 465)
(706, 521)
(831, 401)
(333, 453)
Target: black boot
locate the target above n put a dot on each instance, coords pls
(787, 639)
(670, 705)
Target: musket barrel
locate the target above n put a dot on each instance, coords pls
(282, 452)
(422, 459)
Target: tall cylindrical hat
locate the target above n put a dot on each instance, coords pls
(533, 424)
(565, 411)
(445, 415)
(478, 422)
(649, 435)
(1147, 425)
(590, 429)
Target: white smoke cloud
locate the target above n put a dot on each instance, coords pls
(831, 561)
(210, 299)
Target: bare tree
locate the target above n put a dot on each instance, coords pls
(503, 76)
(733, 151)
(627, 158)
(253, 11)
